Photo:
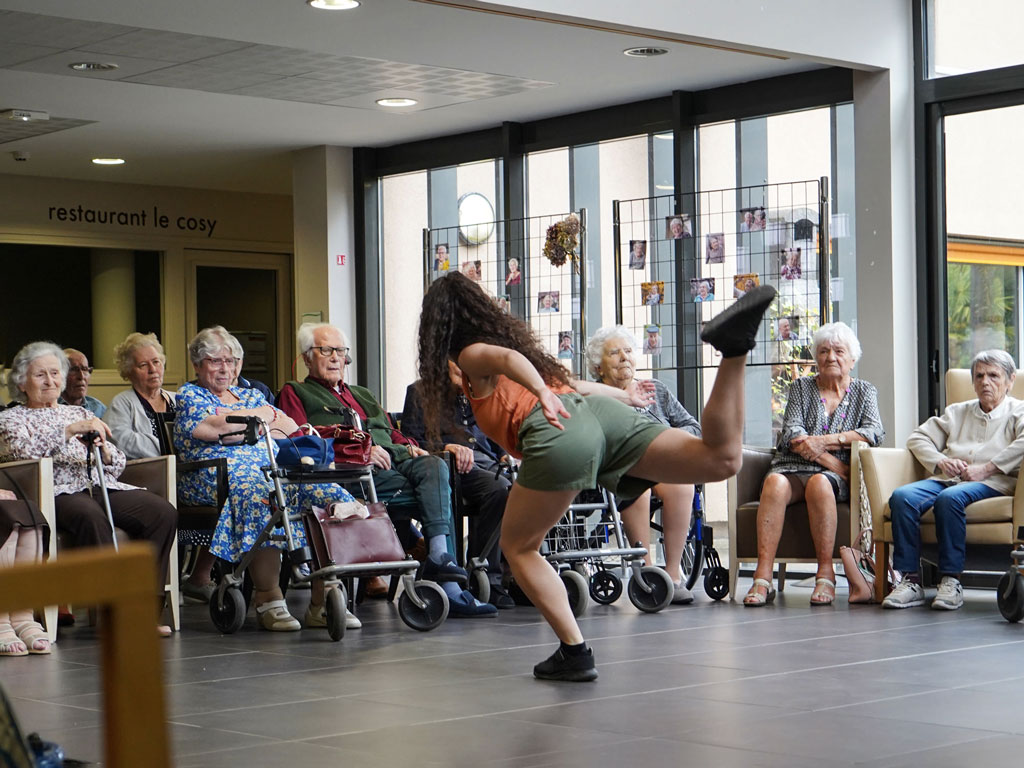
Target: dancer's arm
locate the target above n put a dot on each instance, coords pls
(638, 393)
(483, 363)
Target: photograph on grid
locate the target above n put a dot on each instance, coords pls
(637, 254)
(744, 283)
(702, 289)
(678, 227)
(514, 276)
(547, 302)
(473, 270)
(442, 258)
(790, 263)
(504, 304)
(565, 350)
(714, 248)
(652, 341)
(652, 293)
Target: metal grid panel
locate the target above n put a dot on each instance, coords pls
(550, 299)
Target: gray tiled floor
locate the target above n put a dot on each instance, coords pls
(707, 684)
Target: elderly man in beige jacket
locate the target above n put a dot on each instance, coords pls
(973, 450)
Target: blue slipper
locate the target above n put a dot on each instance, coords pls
(443, 568)
(465, 606)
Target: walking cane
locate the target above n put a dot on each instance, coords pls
(92, 440)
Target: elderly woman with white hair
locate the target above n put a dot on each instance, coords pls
(202, 412)
(40, 426)
(611, 360)
(824, 414)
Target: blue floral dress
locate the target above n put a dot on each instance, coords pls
(247, 508)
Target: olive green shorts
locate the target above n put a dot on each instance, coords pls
(601, 442)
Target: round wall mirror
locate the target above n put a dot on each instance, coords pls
(476, 218)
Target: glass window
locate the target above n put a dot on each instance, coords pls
(976, 35)
(985, 234)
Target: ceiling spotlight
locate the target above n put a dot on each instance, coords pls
(396, 102)
(108, 161)
(644, 52)
(93, 66)
(333, 5)
(24, 115)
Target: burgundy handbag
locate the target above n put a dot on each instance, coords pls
(353, 540)
(351, 446)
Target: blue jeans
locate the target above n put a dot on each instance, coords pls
(909, 502)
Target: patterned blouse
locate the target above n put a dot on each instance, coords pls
(805, 415)
(34, 433)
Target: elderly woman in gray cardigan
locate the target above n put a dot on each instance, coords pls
(611, 360)
(136, 416)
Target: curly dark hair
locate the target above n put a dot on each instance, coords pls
(457, 313)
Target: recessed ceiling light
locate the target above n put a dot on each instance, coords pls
(93, 66)
(664, 136)
(645, 52)
(396, 102)
(333, 5)
(665, 187)
(108, 161)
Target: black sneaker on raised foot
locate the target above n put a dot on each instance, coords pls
(733, 332)
(569, 668)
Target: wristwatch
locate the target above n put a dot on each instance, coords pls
(842, 439)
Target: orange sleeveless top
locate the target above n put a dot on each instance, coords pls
(501, 414)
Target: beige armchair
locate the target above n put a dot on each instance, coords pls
(993, 525)
(795, 545)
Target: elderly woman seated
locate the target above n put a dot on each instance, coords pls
(41, 427)
(22, 533)
(611, 360)
(824, 414)
(201, 420)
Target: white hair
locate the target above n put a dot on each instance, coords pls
(304, 336)
(998, 358)
(836, 333)
(210, 341)
(26, 356)
(595, 346)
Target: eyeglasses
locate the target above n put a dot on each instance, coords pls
(328, 351)
(222, 362)
(83, 369)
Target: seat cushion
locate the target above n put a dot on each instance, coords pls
(995, 510)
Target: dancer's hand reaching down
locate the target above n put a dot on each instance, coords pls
(552, 407)
(641, 393)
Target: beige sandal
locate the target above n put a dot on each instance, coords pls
(10, 643)
(824, 591)
(33, 636)
(755, 598)
(273, 615)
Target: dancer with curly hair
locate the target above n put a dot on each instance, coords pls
(524, 400)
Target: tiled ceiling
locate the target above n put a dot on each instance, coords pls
(15, 130)
(38, 43)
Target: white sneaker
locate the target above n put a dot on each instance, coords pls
(950, 595)
(681, 596)
(906, 594)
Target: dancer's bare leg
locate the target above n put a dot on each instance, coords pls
(529, 515)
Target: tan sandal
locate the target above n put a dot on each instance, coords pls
(755, 598)
(273, 615)
(824, 591)
(33, 636)
(10, 643)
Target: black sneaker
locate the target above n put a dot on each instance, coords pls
(571, 669)
(500, 598)
(733, 332)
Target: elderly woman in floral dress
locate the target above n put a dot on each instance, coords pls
(202, 411)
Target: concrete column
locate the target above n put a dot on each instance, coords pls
(113, 302)
(886, 301)
(324, 270)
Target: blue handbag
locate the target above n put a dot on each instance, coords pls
(305, 451)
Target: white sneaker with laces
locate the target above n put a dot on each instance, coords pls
(950, 595)
(906, 594)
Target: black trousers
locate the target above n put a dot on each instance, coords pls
(140, 514)
(487, 496)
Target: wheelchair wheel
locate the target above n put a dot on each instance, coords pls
(335, 608)
(660, 584)
(432, 615)
(230, 617)
(577, 589)
(1011, 606)
(605, 587)
(692, 561)
(716, 582)
(480, 585)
